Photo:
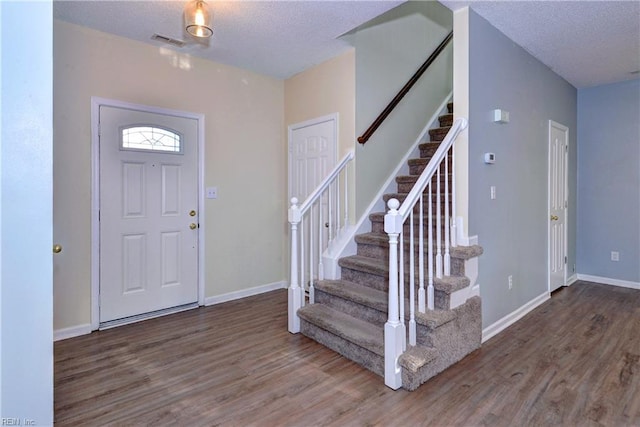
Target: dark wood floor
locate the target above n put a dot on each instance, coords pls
(575, 360)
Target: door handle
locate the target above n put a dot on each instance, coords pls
(193, 226)
(57, 249)
(554, 218)
(192, 213)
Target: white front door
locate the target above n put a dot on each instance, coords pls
(148, 212)
(558, 148)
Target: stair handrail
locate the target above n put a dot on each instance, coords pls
(296, 213)
(405, 89)
(395, 339)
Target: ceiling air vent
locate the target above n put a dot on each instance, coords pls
(168, 40)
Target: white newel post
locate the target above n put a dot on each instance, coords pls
(295, 291)
(394, 330)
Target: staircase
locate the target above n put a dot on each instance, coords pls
(348, 315)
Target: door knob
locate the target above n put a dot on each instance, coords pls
(193, 226)
(192, 213)
(57, 249)
(554, 218)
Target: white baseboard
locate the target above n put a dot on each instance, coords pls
(609, 281)
(71, 332)
(513, 317)
(218, 299)
(572, 279)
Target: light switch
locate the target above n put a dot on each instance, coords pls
(500, 116)
(212, 192)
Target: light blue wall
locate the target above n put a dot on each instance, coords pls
(389, 50)
(26, 306)
(609, 180)
(513, 228)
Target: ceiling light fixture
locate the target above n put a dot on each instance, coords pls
(197, 19)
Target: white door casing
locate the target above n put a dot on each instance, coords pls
(558, 164)
(148, 257)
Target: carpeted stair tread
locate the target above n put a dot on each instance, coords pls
(382, 239)
(467, 252)
(435, 318)
(415, 357)
(366, 264)
(349, 328)
(359, 294)
(450, 284)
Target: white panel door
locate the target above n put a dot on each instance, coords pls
(312, 155)
(148, 212)
(558, 147)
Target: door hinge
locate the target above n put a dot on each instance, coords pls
(566, 148)
(566, 204)
(565, 260)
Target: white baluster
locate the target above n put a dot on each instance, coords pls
(320, 240)
(454, 228)
(394, 330)
(337, 230)
(401, 283)
(438, 227)
(447, 259)
(346, 196)
(330, 213)
(295, 295)
(421, 296)
(303, 264)
(430, 295)
(312, 288)
(412, 283)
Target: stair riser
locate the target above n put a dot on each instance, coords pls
(360, 355)
(406, 187)
(417, 169)
(378, 227)
(438, 134)
(354, 309)
(382, 253)
(441, 299)
(364, 278)
(446, 120)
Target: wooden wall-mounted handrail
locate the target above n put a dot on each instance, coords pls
(405, 89)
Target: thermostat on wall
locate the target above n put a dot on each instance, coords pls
(489, 158)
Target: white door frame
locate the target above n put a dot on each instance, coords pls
(96, 103)
(553, 124)
(316, 121)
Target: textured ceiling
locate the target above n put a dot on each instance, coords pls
(587, 42)
(276, 38)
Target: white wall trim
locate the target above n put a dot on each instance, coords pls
(218, 299)
(609, 281)
(572, 279)
(96, 102)
(513, 317)
(71, 332)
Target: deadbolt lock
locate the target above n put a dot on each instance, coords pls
(192, 213)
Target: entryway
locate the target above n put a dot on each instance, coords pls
(148, 231)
